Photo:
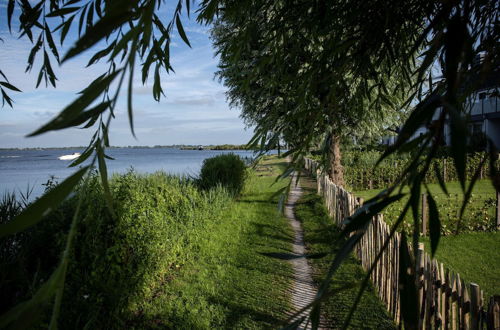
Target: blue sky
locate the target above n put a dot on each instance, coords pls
(194, 111)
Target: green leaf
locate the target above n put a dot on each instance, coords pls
(48, 69)
(83, 157)
(50, 41)
(419, 117)
(408, 290)
(364, 214)
(33, 52)
(72, 112)
(103, 171)
(66, 28)
(180, 29)
(468, 193)
(340, 256)
(458, 138)
(10, 11)
(102, 29)
(130, 86)
(62, 11)
(100, 54)
(6, 98)
(440, 178)
(366, 279)
(42, 206)
(131, 34)
(434, 224)
(86, 115)
(9, 86)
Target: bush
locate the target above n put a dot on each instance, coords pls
(228, 171)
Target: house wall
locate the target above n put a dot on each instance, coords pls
(492, 130)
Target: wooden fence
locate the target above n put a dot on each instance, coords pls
(445, 300)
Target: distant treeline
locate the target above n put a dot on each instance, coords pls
(216, 147)
(173, 146)
(228, 147)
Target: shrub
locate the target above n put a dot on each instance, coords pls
(228, 171)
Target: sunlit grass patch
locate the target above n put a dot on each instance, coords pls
(322, 236)
(475, 256)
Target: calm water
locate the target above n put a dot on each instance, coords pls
(20, 169)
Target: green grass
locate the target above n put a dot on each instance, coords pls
(229, 283)
(479, 215)
(453, 187)
(321, 236)
(475, 256)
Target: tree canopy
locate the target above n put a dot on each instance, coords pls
(299, 69)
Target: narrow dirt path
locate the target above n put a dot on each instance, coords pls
(303, 289)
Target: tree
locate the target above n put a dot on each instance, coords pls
(283, 70)
(331, 60)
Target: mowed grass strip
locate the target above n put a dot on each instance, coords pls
(322, 236)
(230, 283)
(475, 256)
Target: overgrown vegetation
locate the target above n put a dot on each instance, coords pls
(322, 236)
(174, 256)
(360, 172)
(351, 65)
(120, 261)
(478, 216)
(228, 171)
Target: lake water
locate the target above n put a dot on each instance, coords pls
(20, 169)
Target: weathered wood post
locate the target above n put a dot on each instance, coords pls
(444, 170)
(420, 282)
(498, 212)
(494, 314)
(424, 214)
(475, 305)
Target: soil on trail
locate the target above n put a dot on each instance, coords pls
(303, 288)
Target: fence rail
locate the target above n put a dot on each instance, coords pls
(445, 300)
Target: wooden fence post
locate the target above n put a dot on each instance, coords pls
(420, 283)
(424, 214)
(475, 305)
(498, 212)
(494, 314)
(444, 170)
(445, 301)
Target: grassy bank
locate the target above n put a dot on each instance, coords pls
(174, 256)
(475, 256)
(231, 284)
(321, 236)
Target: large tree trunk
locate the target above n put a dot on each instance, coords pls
(336, 169)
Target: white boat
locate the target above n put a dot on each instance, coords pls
(69, 157)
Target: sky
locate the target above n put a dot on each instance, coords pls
(195, 110)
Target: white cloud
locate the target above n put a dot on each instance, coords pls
(194, 111)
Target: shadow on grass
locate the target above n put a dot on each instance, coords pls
(271, 232)
(239, 312)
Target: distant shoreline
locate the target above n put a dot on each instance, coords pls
(175, 146)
